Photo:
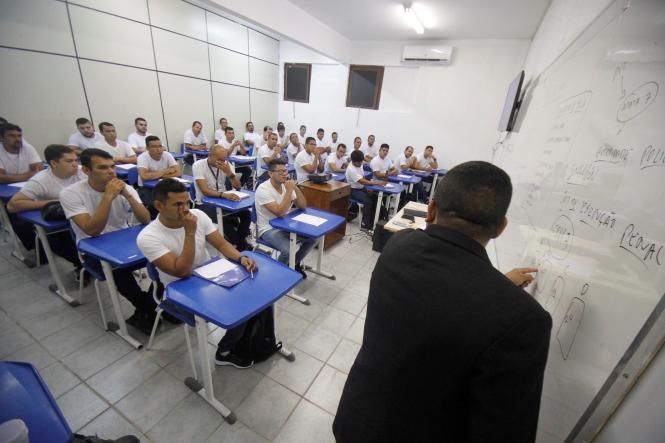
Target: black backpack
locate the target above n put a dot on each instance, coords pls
(258, 342)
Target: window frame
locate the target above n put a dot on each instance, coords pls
(377, 87)
(286, 82)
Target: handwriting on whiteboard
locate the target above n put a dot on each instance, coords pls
(645, 250)
(652, 157)
(637, 101)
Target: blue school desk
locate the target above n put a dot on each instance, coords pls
(389, 189)
(228, 307)
(230, 206)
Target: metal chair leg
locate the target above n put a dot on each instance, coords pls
(154, 327)
(99, 300)
(190, 351)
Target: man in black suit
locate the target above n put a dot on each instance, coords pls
(453, 350)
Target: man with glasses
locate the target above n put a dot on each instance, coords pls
(275, 198)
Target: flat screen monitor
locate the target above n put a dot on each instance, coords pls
(511, 104)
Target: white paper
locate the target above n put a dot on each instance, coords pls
(243, 157)
(390, 185)
(403, 176)
(239, 194)
(18, 184)
(182, 180)
(216, 268)
(310, 219)
(125, 166)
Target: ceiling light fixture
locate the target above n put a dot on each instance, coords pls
(412, 20)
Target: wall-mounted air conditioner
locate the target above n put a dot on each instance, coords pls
(432, 54)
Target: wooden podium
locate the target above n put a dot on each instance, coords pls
(332, 196)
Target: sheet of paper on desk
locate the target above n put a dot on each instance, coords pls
(182, 180)
(18, 184)
(238, 194)
(403, 176)
(222, 272)
(310, 219)
(126, 166)
(244, 157)
(390, 185)
(215, 268)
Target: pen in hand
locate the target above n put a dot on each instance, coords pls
(251, 274)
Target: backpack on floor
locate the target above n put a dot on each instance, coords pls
(258, 342)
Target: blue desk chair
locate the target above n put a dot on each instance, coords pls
(361, 208)
(165, 306)
(273, 251)
(133, 176)
(97, 276)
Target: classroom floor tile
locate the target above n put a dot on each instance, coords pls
(106, 387)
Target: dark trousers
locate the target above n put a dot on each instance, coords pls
(363, 197)
(61, 243)
(246, 179)
(127, 286)
(236, 225)
(145, 195)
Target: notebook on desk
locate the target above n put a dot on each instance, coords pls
(222, 272)
(240, 195)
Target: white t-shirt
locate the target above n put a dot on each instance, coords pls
(292, 152)
(136, 140)
(424, 162)
(195, 140)
(45, 185)
(283, 140)
(156, 240)
(82, 142)
(219, 135)
(147, 162)
(402, 160)
(266, 193)
(265, 151)
(380, 164)
(227, 145)
(81, 198)
(353, 174)
(322, 143)
(121, 149)
(15, 164)
(372, 151)
(255, 137)
(214, 177)
(302, 139)
(303, 159)
(333, 159)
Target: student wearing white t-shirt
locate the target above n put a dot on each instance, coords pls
(43, 188)
(252, 140)
(308, 161)
(370, 149)
(102, 204)
(268, 152)
(18, 160)
(302, 134)
(333, 141)
(219, 133)
(382, 166)
(274, 198)
(355, 177)
(337, 162)
(282, 138)
(154, 164)
(425, 161)
(175, 242)
(404, 163)
(119, 150)
(210, 180)
(323, 145)
(136, 140)
(85, 137)
(294, 147)
(234, 146)
(195, 140)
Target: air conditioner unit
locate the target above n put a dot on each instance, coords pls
(441, 55)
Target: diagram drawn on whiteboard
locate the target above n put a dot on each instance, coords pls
(571, 323)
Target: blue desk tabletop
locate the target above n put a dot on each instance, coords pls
(228, 307)
(230, 205)
(118, 247)
(176, 156)
(290, 167)
(152, 183)
(391, 188)
(24, 395)
(35, 217)
(242, 161)
(122, 172)
(8, 191)
(341, 176)
(197, 152)
(406, 179)
(290, 225)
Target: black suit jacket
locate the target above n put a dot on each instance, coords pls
(453, 351)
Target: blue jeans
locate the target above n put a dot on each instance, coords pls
(279, 240)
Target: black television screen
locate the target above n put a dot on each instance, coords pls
(511, 105)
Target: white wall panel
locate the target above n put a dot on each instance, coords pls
(42, 93)
(224, 32)
(264, 108)
(178, 16)
(136, 10)
(263, 47)
(228, 66)
(119, 94)
(231, 102)
(36, 24)
(105, 37)
(181, 55)
(263, 75)
(185, 100)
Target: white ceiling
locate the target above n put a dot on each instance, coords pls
(443, 19)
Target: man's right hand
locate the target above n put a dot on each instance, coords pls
(189, 221)
(290, 185)
(114, 188)
(230, 196)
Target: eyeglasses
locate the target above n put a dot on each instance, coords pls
(281, 171)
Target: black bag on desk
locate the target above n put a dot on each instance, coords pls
(52, 211)
(258, 342)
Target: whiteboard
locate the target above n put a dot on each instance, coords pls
(587, 163)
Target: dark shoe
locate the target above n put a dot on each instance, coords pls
(86, 277)
(142, 321)
(232, 359)
(300, 268)
(171, 319)
(78, 438)
(365, 227)
(352, 216)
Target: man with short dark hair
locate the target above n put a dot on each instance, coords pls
(102, 204)
(355, 177)
(136, 140)
(451, 346)
(85, 137)
(302, 134)
(282, 138)
(219, 133)
(338, 161)
(294, 148)
(175, 242)
(253, 140)
(382, 166)
(323, 145)
(119, 150)
(234, 146)
(18, 160)
(308, 161)
(370, 150)
(154, 164)
(268, 152)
